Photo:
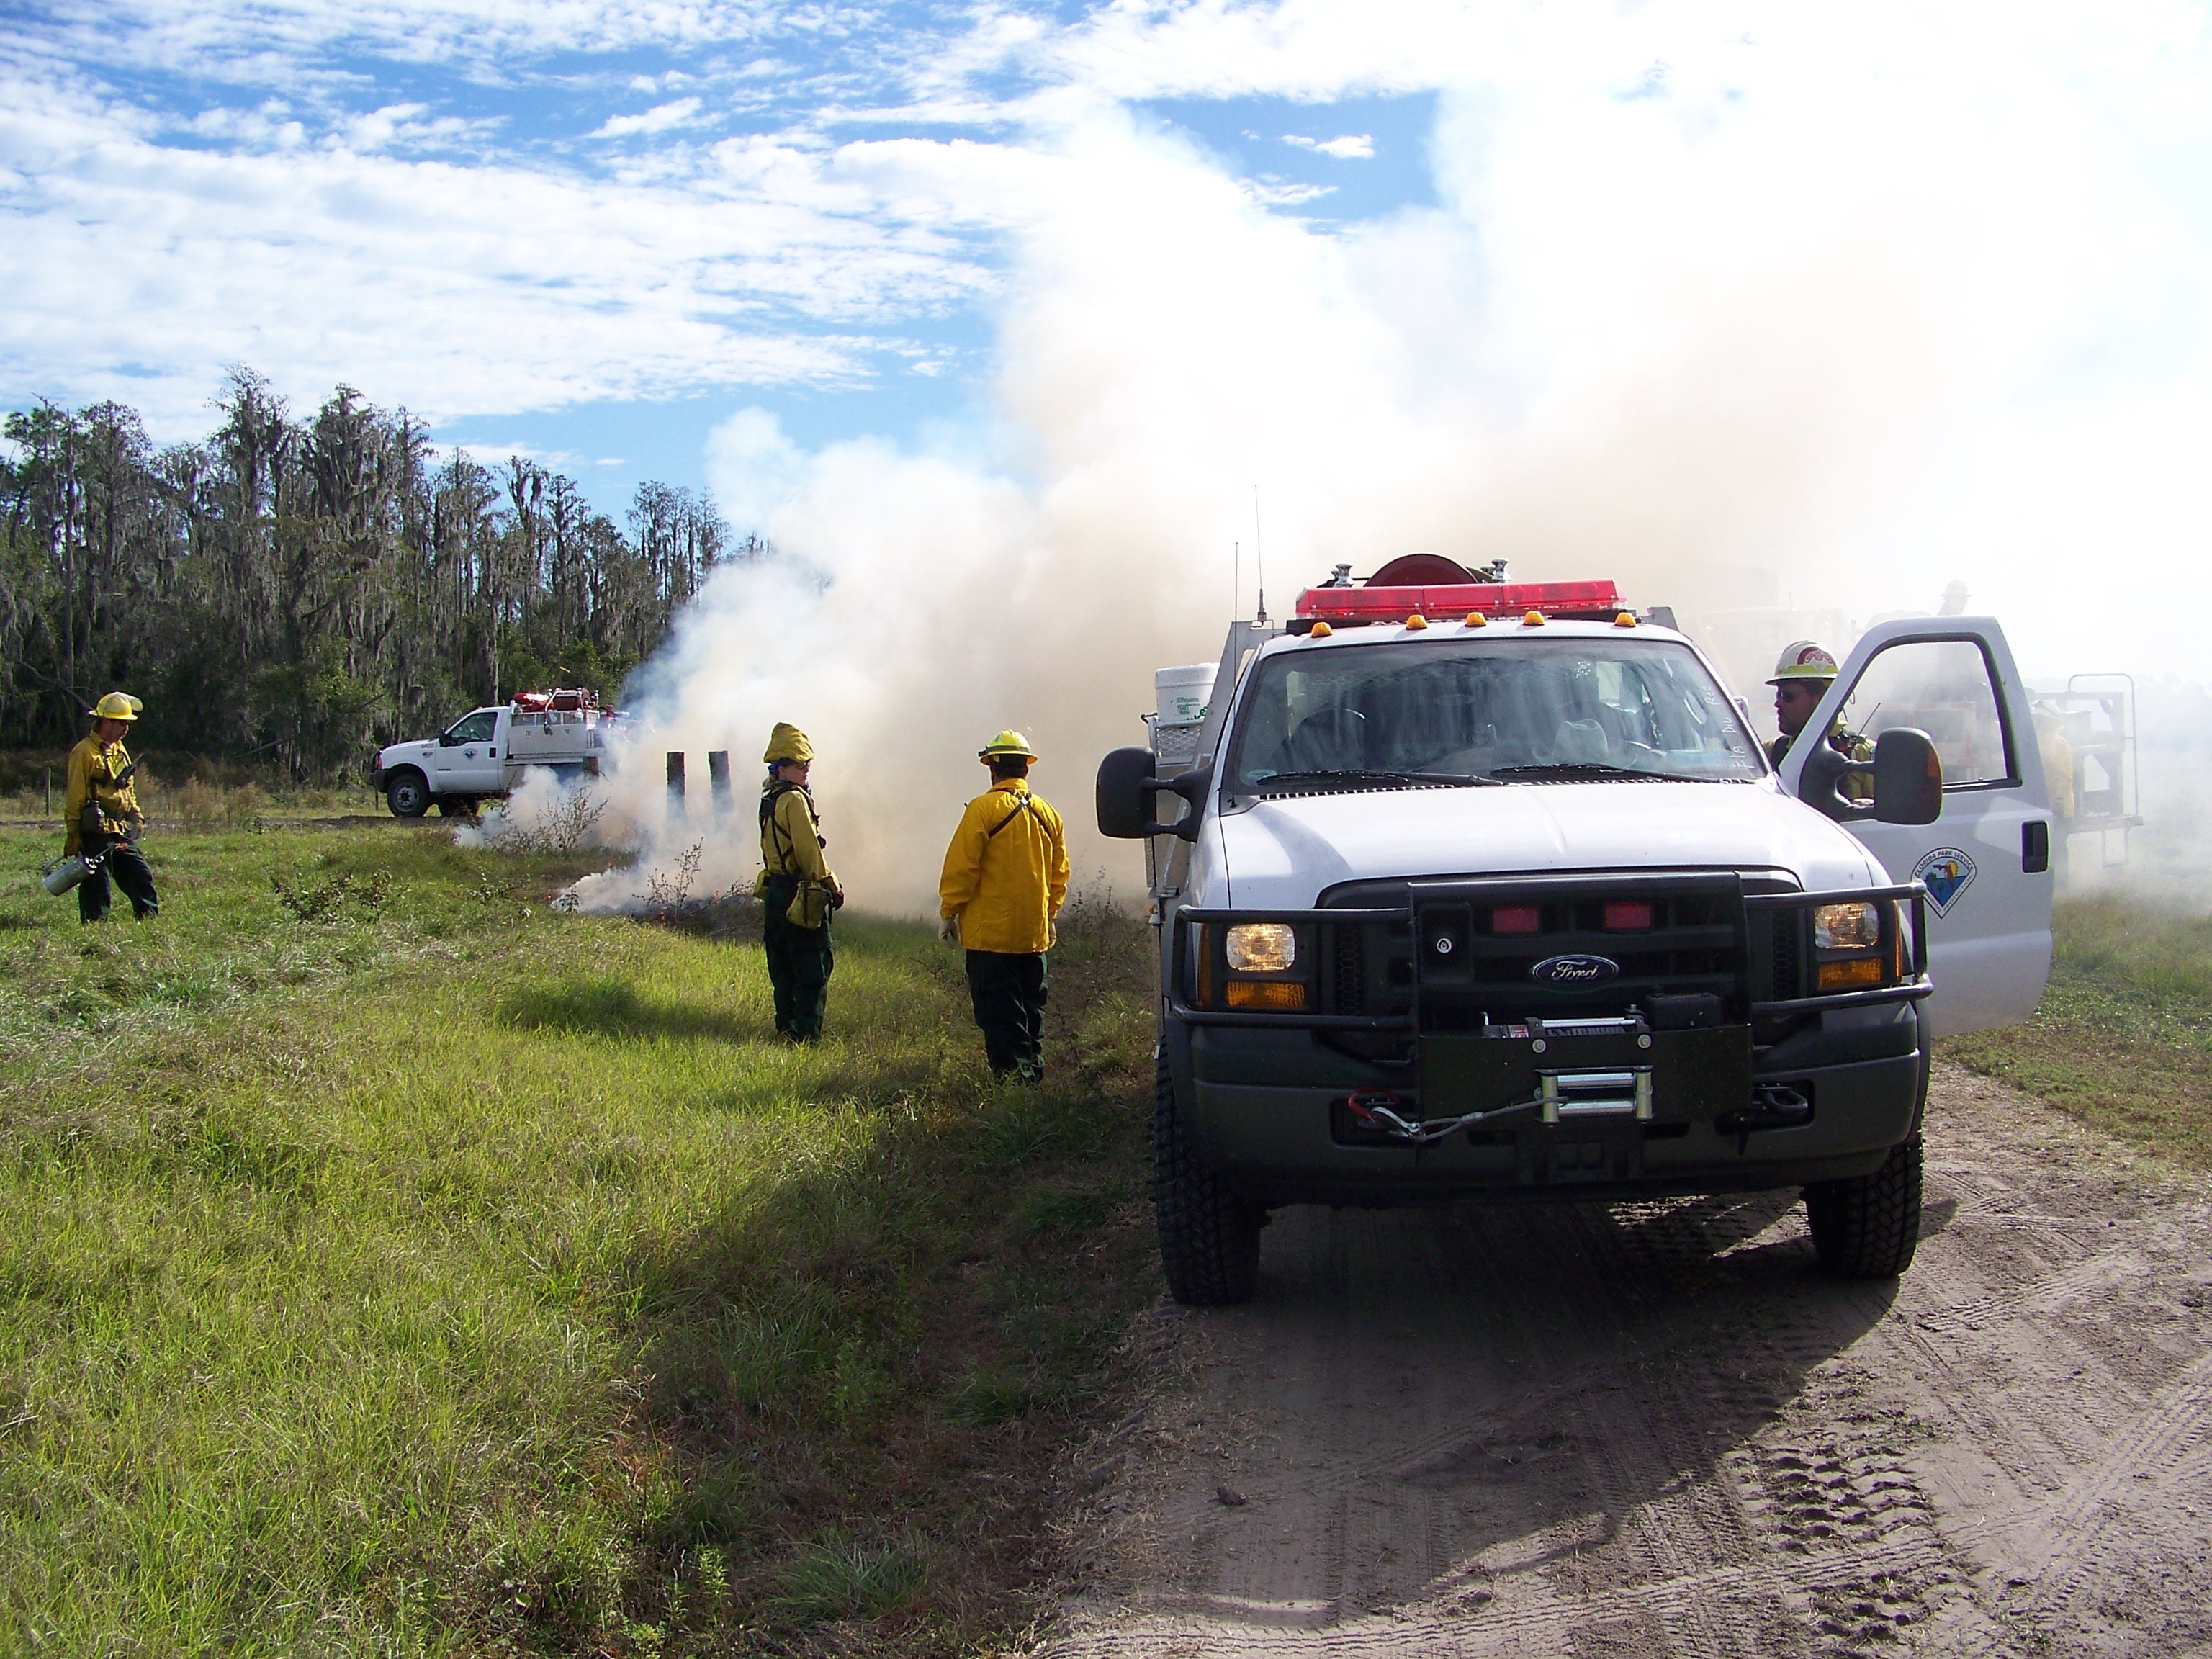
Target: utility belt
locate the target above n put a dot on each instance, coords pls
(804, 902)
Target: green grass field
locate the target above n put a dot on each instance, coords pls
(2124, 1038)
(391, 1265)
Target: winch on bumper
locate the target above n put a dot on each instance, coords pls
(1691, 1032)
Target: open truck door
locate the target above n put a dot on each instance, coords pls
(1986, 858)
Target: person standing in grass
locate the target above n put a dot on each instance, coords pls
(102, 817)
(796, 889)
(1005, 877)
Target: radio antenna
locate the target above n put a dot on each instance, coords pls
(1258, 560)
(1236, 578)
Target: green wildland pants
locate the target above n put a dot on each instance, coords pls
(1007, 989)
(799, 961)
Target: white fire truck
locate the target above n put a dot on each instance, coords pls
(486, 752)
(1474, 889)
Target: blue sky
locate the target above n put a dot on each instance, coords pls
(591, 231)
(1720, 297)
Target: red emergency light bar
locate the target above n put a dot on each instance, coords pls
(1595, 601)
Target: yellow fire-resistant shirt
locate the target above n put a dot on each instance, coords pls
(791, 842)
(1006, 872)
(1859, 786)
(94, 769)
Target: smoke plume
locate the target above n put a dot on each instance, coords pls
(1828, 322)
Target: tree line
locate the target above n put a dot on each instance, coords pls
(296, 591)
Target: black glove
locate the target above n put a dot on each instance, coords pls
(134, 829)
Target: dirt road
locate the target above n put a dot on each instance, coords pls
(1658, 1430)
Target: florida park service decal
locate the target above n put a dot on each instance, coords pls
(1946, 872)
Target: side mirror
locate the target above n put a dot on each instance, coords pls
(1126, 786)
(1125, 791)
(1908, 777)
(1820, 784)
(1192, 786)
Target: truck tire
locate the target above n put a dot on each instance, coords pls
(1209, 1236)
(1867, 1227)
(407, 795)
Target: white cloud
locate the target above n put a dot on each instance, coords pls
(1274, 193)
(1348, 147)
(494, 454)
(455, 288)
(660, 119)
(273, 37)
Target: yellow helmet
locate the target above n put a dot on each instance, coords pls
(1804, 659)
(118, 706)
(788, 742)
(1008, 742)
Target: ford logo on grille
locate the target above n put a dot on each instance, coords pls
(1576, 969)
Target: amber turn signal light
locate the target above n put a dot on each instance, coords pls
(1265, 993)
(1842, 976)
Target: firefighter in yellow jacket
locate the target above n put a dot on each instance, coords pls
(1005, 877)
(796, 889)
(102, 817)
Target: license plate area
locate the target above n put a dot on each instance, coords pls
(1584, 1152)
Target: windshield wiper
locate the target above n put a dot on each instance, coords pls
(1568, 771)
(1362, 775)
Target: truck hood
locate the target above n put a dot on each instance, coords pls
(419, 750)
(1282, 853)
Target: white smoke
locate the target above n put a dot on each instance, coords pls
(1856, 312)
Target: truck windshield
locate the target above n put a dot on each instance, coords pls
(1509, 711)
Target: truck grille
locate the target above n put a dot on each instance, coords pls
(1473, 949)
(1787, 975)
(1347, 973)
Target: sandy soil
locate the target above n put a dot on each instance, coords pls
(1658, 1430)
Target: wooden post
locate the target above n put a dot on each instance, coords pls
(718, 775)
(676, 784)
(50, 791)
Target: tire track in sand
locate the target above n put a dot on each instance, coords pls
(1657, 1429)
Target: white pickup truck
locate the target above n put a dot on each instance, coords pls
(485, 753)
(1480, 891)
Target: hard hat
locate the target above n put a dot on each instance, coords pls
(118, 706)
(1803, 660)
(1008, 742)
(788, 742)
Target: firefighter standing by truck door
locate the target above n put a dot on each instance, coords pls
(1006, 876)
(102, 819)
(797, 891)
(1802, 678)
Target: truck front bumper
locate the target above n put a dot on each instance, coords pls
(1268, 1108)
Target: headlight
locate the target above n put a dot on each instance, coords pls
(1847, 943)
(1845, 928)
(1262, 947)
